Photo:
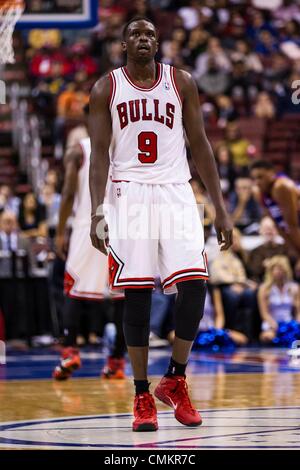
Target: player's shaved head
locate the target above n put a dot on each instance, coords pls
(135, 19)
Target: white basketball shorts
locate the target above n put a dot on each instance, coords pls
(154, 230)
(86, 273)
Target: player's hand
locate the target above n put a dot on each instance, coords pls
(99, 234)
(224, 227)
(61, 248)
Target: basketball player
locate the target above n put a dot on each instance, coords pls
(138, 114)
(280, 197)
(86, 280)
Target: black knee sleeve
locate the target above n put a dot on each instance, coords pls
(136, 320)
(189, 308)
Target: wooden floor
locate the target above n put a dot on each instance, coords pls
(240, 410)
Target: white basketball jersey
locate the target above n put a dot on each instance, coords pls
(147, 132)
(82, 203)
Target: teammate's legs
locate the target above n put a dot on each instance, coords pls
(115, 365)
(70, 359)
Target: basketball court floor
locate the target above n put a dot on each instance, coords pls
(249, 399)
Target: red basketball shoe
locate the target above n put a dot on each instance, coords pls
(114, 369)
(145, 413)
(70, 361)
(173, 391)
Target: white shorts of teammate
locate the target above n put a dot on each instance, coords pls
(86, 273)
(153, 229)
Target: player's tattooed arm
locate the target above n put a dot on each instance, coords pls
(202, 155)
(100, 129)
(72, 162)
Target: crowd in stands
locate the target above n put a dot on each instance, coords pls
(244, 60)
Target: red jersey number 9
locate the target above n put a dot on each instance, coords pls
(147, 145)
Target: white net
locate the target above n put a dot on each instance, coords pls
(10, 13)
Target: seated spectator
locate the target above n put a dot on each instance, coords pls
(214, 81)
(112, 56)
(32, 217)
(10, 238)
(241, 84)
(81, 60)
(71, 102)
(243, 207)
(196, 45)
(214, 49)
(225, 168)
(51, 200)
(238, 146)
(43, 63)
(278, 298)
(214, 318)
(70, 105)
(242, 51)
(171, 53)
(8, 201)
(237, 292)
(266, 44)
(14, 266)
(270, 247)
(202, 198)
(226, 111)
(264, 107)
(52, 178)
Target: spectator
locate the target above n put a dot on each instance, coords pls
(241, 85)
(266, 44)
(14, 257)
(32, 217)
(264, 107)
(278, 297)
(225, 168)
(238, 146)
(112, 56)
(52, 179)
(81, 60)
(196, 45)
(45, 62)
(215, 50)
(270, 247)
(237, 292)
(202, 199)
(226, 110)
(214, 80)
(71, 102)
(51, 200)
(214, 318)
(243, 52)
(245, 211)
(8, 201)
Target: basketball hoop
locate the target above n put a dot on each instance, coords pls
(10, 12)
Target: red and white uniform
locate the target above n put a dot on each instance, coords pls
(86, 274)
(154, 224)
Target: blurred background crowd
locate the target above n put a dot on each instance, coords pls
(244, 56)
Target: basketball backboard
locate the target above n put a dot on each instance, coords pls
(59, 14)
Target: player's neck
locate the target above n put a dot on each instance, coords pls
(142, 73)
